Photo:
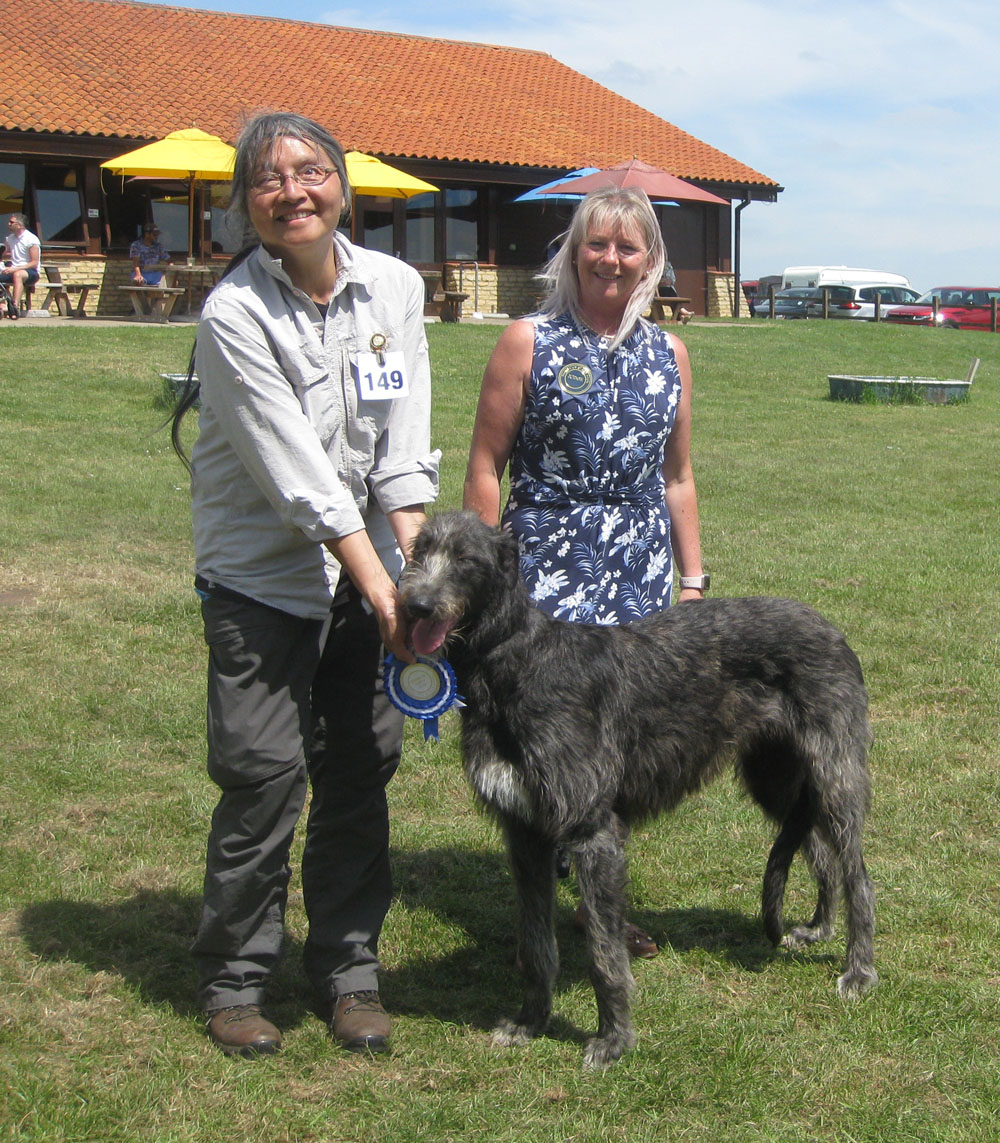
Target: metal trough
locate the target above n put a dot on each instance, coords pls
(901, 390)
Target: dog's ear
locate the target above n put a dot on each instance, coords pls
(508, 555)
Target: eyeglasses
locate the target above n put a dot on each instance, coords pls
(311, 176)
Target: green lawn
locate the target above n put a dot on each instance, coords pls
(883, 517)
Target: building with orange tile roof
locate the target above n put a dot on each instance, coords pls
(483, 123)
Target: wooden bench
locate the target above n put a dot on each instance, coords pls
(59, 292)
(657, 308)
(451, 304)
(439, 302)
(154, 302)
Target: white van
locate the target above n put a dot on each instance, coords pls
(819, 276)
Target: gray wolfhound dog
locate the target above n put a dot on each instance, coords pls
(572, 732)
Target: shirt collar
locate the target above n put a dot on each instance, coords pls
(350, 267)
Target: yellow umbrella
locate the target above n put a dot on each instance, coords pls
(11, 199)
(368, 175)
(191, 154)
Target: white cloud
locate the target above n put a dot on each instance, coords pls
(877, 116)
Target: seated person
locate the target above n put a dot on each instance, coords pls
(147, 253)
(23, 252)
(668, 289)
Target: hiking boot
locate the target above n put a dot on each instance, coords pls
(242, 1031)
(360, 1023)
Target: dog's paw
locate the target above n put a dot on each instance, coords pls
(856, 983)
(803, 936)
(602, 1051)
(510, 1034)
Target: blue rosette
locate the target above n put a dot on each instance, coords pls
(424, 689)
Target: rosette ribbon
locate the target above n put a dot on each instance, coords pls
(424, 689)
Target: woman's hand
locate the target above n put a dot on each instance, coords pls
(360, 561)
(392, 624)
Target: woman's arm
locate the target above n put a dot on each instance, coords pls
(499, 416)
(678, 482)
(358, 558)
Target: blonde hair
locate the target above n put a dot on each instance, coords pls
(625, 208)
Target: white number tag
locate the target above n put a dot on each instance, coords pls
(383, 380)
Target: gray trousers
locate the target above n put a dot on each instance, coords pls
(292, 700)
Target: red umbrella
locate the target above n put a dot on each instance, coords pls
(656, 183)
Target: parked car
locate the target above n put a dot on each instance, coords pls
(760, 290)
(859, 301)
(960, 307)
(789, 303)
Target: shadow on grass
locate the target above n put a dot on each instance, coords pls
(146, 941)
(474, 985)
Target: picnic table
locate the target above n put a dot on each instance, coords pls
(156, 302)
(657, 307)
(185, 276)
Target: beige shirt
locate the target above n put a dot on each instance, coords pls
(289, 455)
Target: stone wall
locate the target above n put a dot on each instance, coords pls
(107, 275)
(510, 290)
(720, 295)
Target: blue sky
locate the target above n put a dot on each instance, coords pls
(877, 116)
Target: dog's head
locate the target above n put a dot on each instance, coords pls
(460, 570)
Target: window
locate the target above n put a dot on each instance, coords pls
(11, 187)
(49, 195)
(170, 213)
(58, 203)
(420, 228)
(461, 225)
(377, 225)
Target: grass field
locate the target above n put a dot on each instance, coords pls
(883, 517)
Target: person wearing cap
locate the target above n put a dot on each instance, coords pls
(148, 257)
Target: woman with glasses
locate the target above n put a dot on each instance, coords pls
(309, 479)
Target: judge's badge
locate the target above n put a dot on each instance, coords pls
(575, 379)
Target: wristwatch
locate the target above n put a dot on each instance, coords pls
(700, 582)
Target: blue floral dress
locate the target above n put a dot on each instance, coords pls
(586, 488)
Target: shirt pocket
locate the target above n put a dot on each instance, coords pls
(319, 386)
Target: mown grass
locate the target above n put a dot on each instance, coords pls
(884, 517)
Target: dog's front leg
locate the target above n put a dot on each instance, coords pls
(532, 861)
(601, 875)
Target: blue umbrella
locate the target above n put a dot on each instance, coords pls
(536, 195)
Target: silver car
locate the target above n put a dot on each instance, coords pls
(859, 301)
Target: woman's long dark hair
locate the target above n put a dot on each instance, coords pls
(258, 138)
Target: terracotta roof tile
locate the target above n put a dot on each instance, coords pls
(88, 70)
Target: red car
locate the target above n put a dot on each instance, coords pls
(960, 307)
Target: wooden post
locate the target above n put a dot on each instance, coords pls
(878, 306)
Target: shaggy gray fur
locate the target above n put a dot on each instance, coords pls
(572, 732)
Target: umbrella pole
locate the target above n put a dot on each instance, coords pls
(191, 185)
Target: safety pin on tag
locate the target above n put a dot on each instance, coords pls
(377, 345)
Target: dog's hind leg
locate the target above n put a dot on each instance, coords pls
(825, 868)
(792, 834)
(532, 862)
(601, 876)
(859, 974)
